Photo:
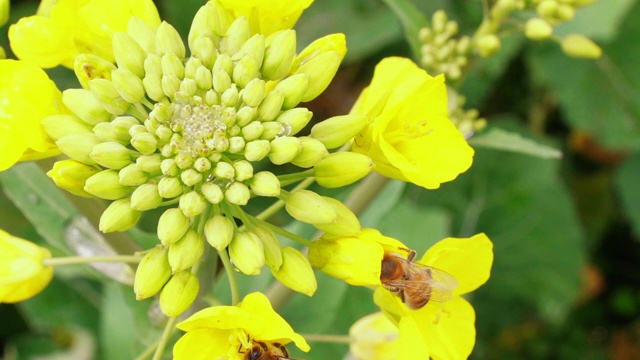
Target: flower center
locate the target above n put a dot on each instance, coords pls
(409, 132)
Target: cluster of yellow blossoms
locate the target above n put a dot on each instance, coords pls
(157, 126)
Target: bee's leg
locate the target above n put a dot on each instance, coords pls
(401, 295)
(412, 255)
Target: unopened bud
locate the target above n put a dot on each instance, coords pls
(253, 93)
(84, 104)
(186, 252)
(342, 168)
(192, 203)
(142, 33)
(293, 89)
(321, 69)
(78, 147)
(237, 193)
(129, 55)
(346, 223)
(243, 170)
(111, 155)
(59, 125)
(169, 187)
(312, 152)
(296, 272)
(255, 150)
(144, 143)
(152, 273)
(252, 131)
(145, 197)
(172, 226)
(106, 185)
(72, 175)
(279, 55)
(284, 149)
(119, 216)
(270, 106)
(149, 163)
(219, 231)
(488, 45)
(237, 34)
(212, 192)
(130, 175)
(310, 208)
(168, 41)
(336, 131)
(128, 85)
(272, 251)
(245, 70)
(265, 183)
(179, 293)
(88, 67)
(578, 46)
(247, 253)
(538, 29)
(296, 119)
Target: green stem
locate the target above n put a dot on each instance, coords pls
(166, 334)
(295, 177)
(148, 351)
(231, 275)
(73, 260)
(297, 238)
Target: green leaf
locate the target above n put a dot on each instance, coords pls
(606, 15)
(500, 139)
(600, 97)
(412, 21)
(626, 181)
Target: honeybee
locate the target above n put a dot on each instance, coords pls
(264, 351)
(415, 284)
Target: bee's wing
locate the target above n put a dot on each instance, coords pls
(440, 284)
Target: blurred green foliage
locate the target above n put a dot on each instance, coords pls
(565, 282)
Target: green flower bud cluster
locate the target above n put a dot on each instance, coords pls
(558, 11)
(441, 52)
(466, 120)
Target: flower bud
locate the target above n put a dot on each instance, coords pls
(172, 65)
(142, 33)
(129, 55)
(293, 89)
(270, 106)
(247, 253)
(341, 169)
(78, 147)
(346, 223)
(72, 175)
(145, 197)
(212, 192)
(272, 251)
(144, 143)
(111, 155)
(284, 149)
(296, 272)
(279, 54)
(186, 251)
(152, 273)
(565, 12)
(219, 231)
(252, 131)
(245, 70)
(121, 126)
(310, 208)
(88, 67)
(352, 259)
(108, 96)
(168, 41)
(119, 216)
(84, 104)
(130, 175)
(153, 87)
(254, 47)
(265, 183)
(333, 42)
(172, 226)
(106, 185)
(170, 85)
(253, 93)
(578, 46)
(179, 293)
(237, 193)
(537, 29)
(237, 34)
(312, 152)
(336, 131)
(169, 187)
(203, 23)
(488, 45)
(149, 163)
(321, 69)
(255, 150)
(243, 170)
(128, 85)
(236, 145)
(59, 125)
(192, 203)
(296, 119)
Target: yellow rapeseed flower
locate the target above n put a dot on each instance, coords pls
(22, 274)
(267, 17)
(410, 136)
(442, 329)
(28, 96)
(58, 33)
(232, 332)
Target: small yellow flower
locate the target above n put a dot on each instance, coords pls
(58, 33)
(375, 337)
(267, 17)
(230, 332)
(442, 330)
(28, 96)
(410, 136)
(22, 274)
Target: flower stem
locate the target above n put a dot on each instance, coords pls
(297, 238)
(235, 298)
(166, 334)
(295, 177)
(148, 351)
(73, 260)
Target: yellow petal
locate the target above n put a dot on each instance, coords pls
(468, 260)
(40, 40)
(450, 330)
(267, 17)
(202, 344)
(374, 338)
(28, 96)
(217, 317)
(411, 341)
